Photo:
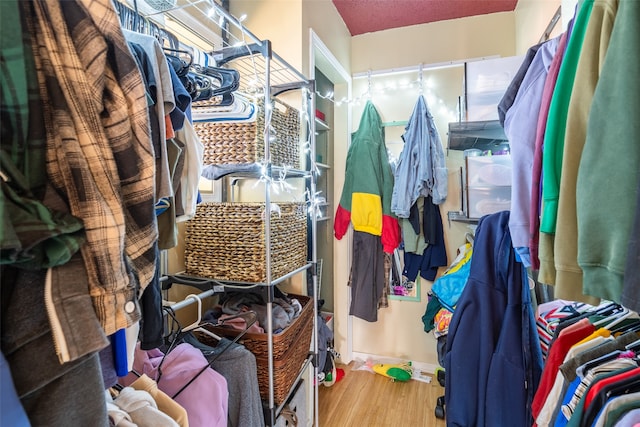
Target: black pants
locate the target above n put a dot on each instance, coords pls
(367, 276)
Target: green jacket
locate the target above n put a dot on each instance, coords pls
(557, 121)
(568, 273)
(610, 165)
(368, 185)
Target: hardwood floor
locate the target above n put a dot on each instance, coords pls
(363, 399)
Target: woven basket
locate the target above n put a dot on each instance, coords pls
(243, 142)
(226, 241)
(290, 349)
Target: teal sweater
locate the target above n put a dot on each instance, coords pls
(557, 121)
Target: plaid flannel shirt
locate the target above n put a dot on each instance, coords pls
(99, 152)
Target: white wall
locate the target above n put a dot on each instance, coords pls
(322, 16)
(456, 39)
(532, 18)
(399, 330)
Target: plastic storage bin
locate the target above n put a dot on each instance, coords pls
(487, 185)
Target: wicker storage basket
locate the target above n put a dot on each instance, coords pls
(226, 241)
(243, 142)
(290, 349)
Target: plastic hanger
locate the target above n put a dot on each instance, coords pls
(197, 322)
(197, 325)
(612, 318)
(634, 346)
(624, 315)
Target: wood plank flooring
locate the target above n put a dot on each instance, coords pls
(363, 399)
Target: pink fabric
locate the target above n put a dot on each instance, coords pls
(547, 93)
(240, 324)
(206, 399)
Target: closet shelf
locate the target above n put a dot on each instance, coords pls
(250, 170)
(461, 217)
(205, 284)
(230, 43)
(321, 125)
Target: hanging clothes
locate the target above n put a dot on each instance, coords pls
(520, 129)
(238, 366)
(51, 393)
(366, 278)
(610, 165)
(510, 94)
(366, 195)
(366, 203)
(164, 104)
(205, 399)
(421, 169)
(427, 220)
(630, 297)
(536, 179)
(93, 101)
(553, 146)
(596, 40)
(492, 354)
(164, 402)
(33, 234)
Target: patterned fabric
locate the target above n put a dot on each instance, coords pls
(99, 152)
(548, 320)
(442, 321)
(614, 365)
(32, 236)
(384, 299)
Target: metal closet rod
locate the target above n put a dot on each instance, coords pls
(186, 302)
(424, 67)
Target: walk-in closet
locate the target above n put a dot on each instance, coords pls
(251, 213)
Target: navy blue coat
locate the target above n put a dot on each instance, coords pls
(493, 361)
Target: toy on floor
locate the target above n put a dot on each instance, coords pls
(395, 371)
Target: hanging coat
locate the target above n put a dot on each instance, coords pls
(421, 169)
(493, 359)
(368, 184)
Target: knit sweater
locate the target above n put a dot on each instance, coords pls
(568, 273)
(610, 164)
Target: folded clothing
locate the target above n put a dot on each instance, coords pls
(284, 310)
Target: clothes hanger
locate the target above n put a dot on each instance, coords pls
(197, 325)
(634, 323)
(624, 315)
(229, 82)
(600, 360)
(180, 66)
(612, 317)
(634, 346)
(199, 319)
